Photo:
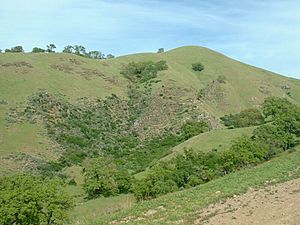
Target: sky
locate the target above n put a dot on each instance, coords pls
(263, 33)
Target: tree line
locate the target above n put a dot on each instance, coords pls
(72, 49)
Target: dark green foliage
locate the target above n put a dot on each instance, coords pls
(243, 152)
(160, 50)
(68, 49)
(103, 177)
(95, 55)
(81, 51)
(275, 106)
(110, 56)
(50, 48)
(197, 66)
(192, 169)
(16, 49)
(140, 72)
(246, 118)
(274, 136)
(37, 50)
(193, 128)
(31, 200)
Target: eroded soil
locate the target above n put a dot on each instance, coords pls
(277, 204)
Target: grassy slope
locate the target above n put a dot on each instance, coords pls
(182, 207)
(216, 139)
(16, 83)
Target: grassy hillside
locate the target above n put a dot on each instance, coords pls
(174, 96)
(58, 110)
(214, 140)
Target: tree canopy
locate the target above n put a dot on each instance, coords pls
(32, 200)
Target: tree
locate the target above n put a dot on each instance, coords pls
(0, 50)
(246, 118)
(275, 106)
(16, 49)
(50, 48)
(160, 50)
(103, 177)
(37, 50)
(79, 50)
(32, 200)
(197, 67)
(243, 152)
(68, 49)
(275, 137)
(193, 128)
(95, 55)
(143, 71)
(110, 56)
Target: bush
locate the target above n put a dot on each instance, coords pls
(193, 128)
(103, 177)
(38, 50)
(197, 67)
(242, 153)
(16, 49)
(246, 118)
(143, 71)
(275, 106)
(32, 200)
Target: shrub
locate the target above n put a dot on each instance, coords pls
(197, 66)
(38, 50)
(103, 177)
(160, 50)
(16, 49)
(143, 71)
(193, 128)
(246, 118)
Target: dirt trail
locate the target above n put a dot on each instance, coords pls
(273, 205)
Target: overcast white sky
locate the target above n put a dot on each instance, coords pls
(262, 33)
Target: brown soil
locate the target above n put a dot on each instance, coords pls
(273, 205)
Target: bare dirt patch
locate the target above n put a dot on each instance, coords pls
(277, 204)
(18, 67)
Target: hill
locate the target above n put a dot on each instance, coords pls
(65, 116)
(226, 86)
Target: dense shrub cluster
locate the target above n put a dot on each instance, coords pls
(103, 177)
(140, 72)
(32, 200)
(193, 128)
(246, 118)
(197, 66)
(192, 169)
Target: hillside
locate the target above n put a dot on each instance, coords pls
(129, 120)
(72, 77)
(191, 206)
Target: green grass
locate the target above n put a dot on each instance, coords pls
(215, 139)
(182, 207)
(26, 138)
(86, 212)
